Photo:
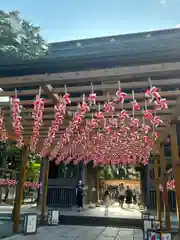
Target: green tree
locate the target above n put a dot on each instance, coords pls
(19, 39)
(33, 168)
(118, 172)
(12, 157)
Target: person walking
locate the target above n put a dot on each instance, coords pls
(80, 195)
(129, 196)
(106, 199)
(134, 196)
(121, 194)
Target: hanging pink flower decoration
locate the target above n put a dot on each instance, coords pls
(65, 139)
(38, 121)
(66, 99)
(156, 121)
(3, 133)
(155, 135)
(84, 108)
(99, 116)
(123, 115)
(17, 120)
(92, 98)
(135, 123)
(147, 114)
(153, 93)
(11, 183)
(60, 111)
(93, 124)
(107, 129)
(121, 95)
(130, 143)
(136, 105)
(109, 107)
(171, 185)
(145, 128)
(161, 104)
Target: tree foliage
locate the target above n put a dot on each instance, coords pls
(11, 158)
(118, 172)
(19, 39)
(33, 168)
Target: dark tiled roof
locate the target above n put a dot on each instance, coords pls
(105, 52)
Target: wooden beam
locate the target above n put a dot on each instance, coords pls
(131, 85)
(176, 168)
(44, 188)
(165, 190)
(18, 199)
(173, 117)
(99, 99)
(127, 106)
(122, 73)
(49, 90)
(89, 115)
(158, 198)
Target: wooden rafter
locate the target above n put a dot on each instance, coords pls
(173, 117)
(129, 80)
(48, 89)
(106, 87)
(124, 73)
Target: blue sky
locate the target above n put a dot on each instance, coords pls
(62, 20)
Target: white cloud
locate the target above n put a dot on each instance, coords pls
(177, 26)
(163, 2)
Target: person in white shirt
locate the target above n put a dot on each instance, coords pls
(106, 201)
(121, 194)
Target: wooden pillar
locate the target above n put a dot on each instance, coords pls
(176, 168)
(19, 193)
(165, 191)
(142, 187)
(44, 188)
(158, 196)
(97, 184)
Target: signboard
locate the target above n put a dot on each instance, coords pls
(53, 217)
(30, 223)
(147, 225)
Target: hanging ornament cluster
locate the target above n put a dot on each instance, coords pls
(32, 185)
(60, 111)
(7, 182)
(171, 185)
(154, 96)
(73, 127)
(120, 96)
(3, 133)
(121, 139)
(17, 119)
(11, 183)
(92, 96)
(38, 120)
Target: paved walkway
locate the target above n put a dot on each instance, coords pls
(114, 211)
(82, 233)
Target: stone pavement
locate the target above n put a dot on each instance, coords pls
(82, 233)
(114, 211)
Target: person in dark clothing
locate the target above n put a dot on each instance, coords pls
(134, 197)
(79, 195)
(129, 196)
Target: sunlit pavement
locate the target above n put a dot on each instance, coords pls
(82, 233)
(116, 211)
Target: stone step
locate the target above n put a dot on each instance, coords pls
(101, 221)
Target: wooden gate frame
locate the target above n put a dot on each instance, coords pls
(131, 78)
